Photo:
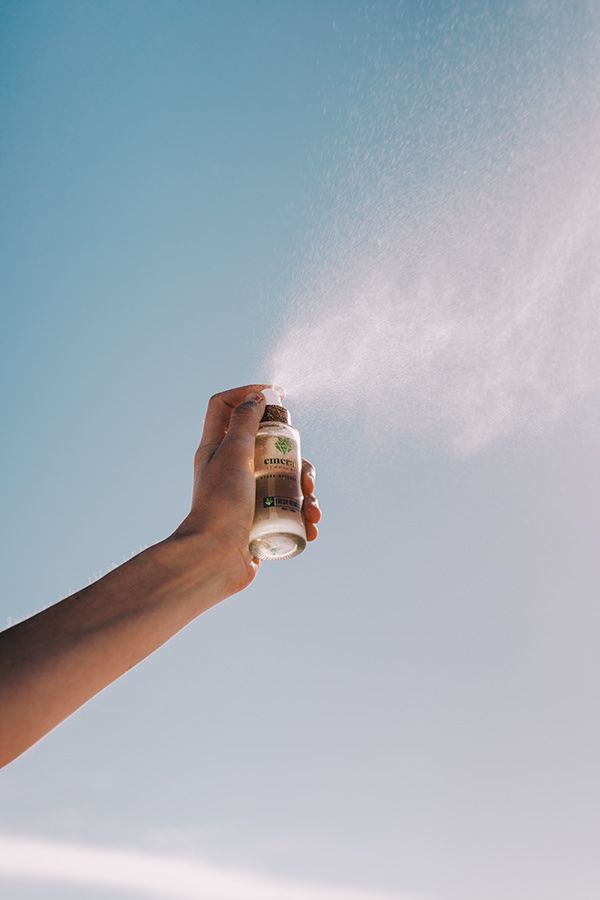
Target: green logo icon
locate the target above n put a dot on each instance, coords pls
(284, 445)
(269, 501)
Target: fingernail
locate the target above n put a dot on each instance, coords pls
(252, 398)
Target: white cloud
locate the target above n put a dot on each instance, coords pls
(157, 875)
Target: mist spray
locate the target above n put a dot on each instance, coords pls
(278, 530)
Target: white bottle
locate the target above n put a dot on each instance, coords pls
(278, 530)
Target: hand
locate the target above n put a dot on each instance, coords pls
(53, 662)
(224, 490)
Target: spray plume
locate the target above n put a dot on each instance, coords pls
(456, 284)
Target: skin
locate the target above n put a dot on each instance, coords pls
(55, 661)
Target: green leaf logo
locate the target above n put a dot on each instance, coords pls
(284, 445)
(269, 501)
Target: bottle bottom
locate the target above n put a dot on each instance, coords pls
(277, 545)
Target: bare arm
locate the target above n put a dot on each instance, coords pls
(55, 661)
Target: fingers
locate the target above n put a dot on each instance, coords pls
(312, 532)
(238, 444)
(311, 510)
(310, 506)
(308, 477)
(218, 414)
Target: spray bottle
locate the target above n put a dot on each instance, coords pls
(278, 530)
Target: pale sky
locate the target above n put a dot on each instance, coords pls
(406, 711)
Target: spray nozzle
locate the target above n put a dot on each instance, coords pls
(274, 395)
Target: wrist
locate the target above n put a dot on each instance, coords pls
(200, 567)
(191, 566)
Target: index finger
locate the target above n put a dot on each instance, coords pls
(218, 414)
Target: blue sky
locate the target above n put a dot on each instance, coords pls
(406, 709)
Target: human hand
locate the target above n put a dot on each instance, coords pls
(224, 489)
(53, 662)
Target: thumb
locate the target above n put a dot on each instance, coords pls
(239, 441)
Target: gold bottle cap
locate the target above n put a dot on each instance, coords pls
(274, 410)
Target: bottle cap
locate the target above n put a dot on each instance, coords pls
(275, 411)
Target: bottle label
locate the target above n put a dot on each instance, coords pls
(277, 467)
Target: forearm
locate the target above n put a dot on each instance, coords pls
(55, 661)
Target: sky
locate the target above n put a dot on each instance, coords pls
(407, 710)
